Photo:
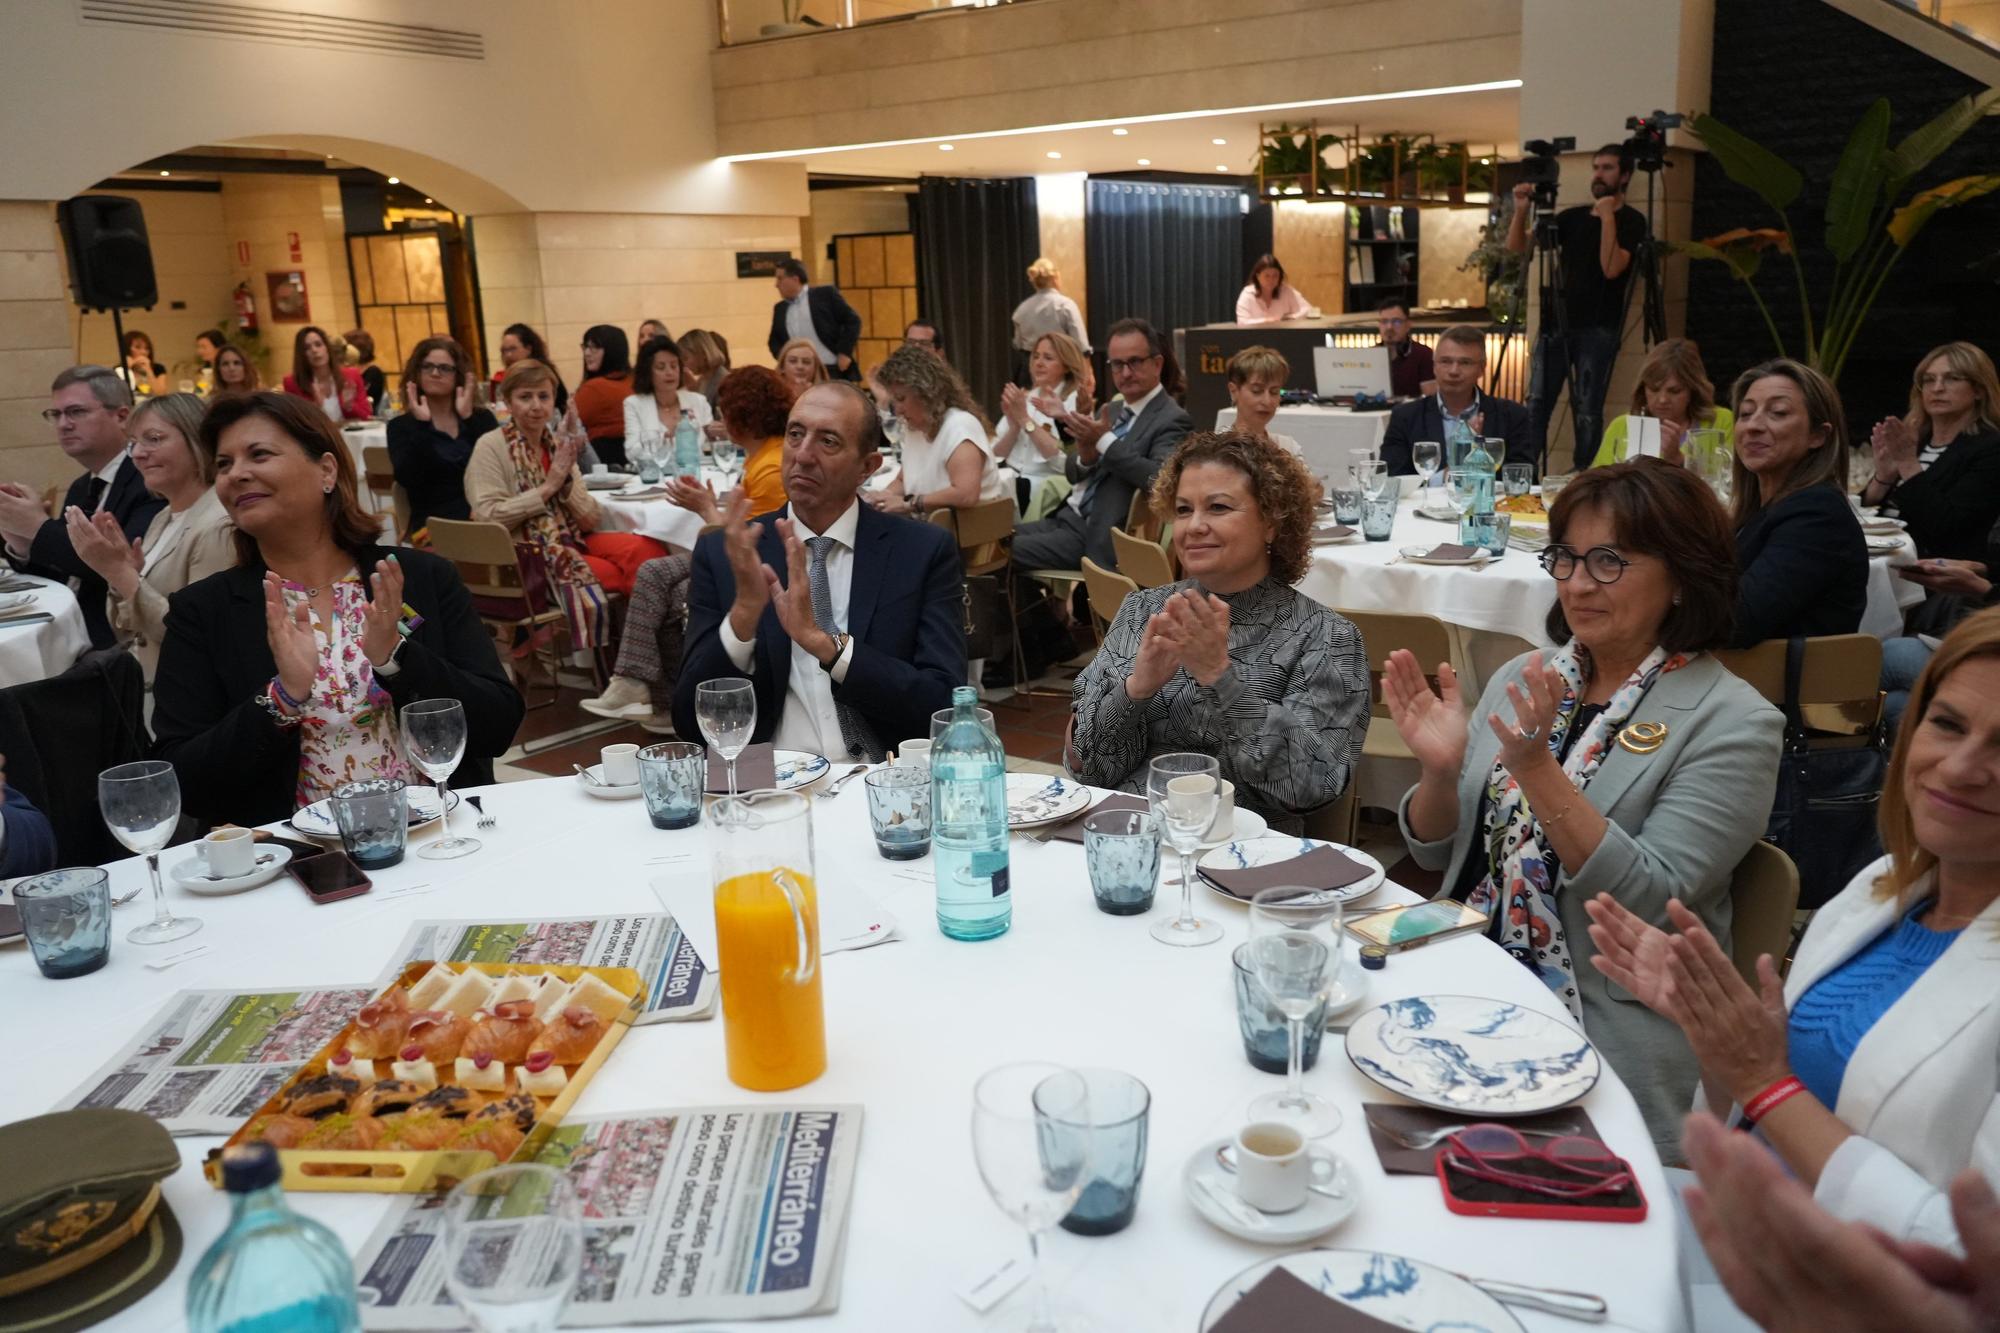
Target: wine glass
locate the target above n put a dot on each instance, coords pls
(1184, 791)
(1371, 475)
(434, 735)
(728, 458)
(727, 712)
(1035, 1175)
(1295, 955)
(513, 1244)
(1461, 488)
(142, 804)
(1426, 456)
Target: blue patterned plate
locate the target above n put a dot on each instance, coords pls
(1245, 853)
(1404, 1293)
(1034, 798)
(796, 768)
(316, 820)
(1473, 1056)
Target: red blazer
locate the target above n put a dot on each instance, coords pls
(353, 395)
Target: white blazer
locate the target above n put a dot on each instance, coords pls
(1922, 1091)
(642, 414)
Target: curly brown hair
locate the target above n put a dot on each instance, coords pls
(755, 398)
(933, 381)
(1285, 491)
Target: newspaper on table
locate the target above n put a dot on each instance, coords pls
(680, 985)
(210, 1058)
(712, 1212)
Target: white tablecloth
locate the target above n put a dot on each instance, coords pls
(43, 648)
(910, 1026)
(1328, 436)
(657, 518)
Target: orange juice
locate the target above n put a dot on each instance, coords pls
(772, 1022)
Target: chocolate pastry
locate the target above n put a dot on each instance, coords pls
(323, 1095)
(387, 1097)
(446, 1099)
(519, 1109)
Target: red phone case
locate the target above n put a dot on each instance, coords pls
(354, 890)
(1551, 1211)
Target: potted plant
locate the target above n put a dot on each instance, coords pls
(794, 14)
(1288, 155)
(1442, 170)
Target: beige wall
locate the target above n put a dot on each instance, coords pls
(1445, 236)
(264, 210)
(189, 266)
(1059, 211)
(1310, 241)
(34, 342)
(1033, 64)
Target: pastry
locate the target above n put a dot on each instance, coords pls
(343, 1062)
(469, 992)
(379, 1027)
(438, 1033)
(414, 1069)
(482, 1073)
(446, 1100)
(591, 992)
(542, 1076)
(323, 1095)
(280, 1130)
(504, 1033)
(569, 1036)
(502, 1138)
(420, 1131)
(431, 987)
(388, 1097)
(519, 1110)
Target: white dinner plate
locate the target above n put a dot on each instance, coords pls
(604, 791)
(1353, 534)
(797, 768)
(1420, 555)
(191, 872)
(1436, 513)
(1354, 988)
(1318, 1215)
(1885, 545)
(1252, 852)
(1473, 1056)
(1034, 798)
(1879, 526)
(316, 820)
(1403, 1293)
(609, 481)
(1249, 824)
(15, 601)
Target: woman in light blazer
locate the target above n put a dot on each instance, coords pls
(1874, 1073)
(658, 400)
(1628, 763)
(187, 541)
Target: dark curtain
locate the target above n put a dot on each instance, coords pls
(1169, 254)
(975, 240)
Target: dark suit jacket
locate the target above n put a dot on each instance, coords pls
(51, 555)
(905, 612)
(1803, 563)
(234, 762)
(1421, 420)
(833, 320)
(1952, 504)
(31, 843)
(430, 465)
(1126, 467)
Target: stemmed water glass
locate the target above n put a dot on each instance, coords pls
(1295, 955)
(728, 458)
(1371, 476)
(434, 736)
(1184, 791)
(513, 1244)
(141, 803)
(1034, 1174)
(1461, 488)
(726, 709)
(1426, 456)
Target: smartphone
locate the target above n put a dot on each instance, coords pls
(330, 876)
(1415, 925)
(299, 850)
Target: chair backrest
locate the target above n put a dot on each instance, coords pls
(1140, 520)
(399, 503)
(483, 552)
(1107, 590)
(1383, 632)
(1145, 562)
(1763, 895)
(376, 469)
(1336, 822)
(988, 522)
(1840, 690)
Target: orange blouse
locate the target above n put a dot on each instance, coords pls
(600, 405)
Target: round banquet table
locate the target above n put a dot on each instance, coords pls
(39, 649)
(655, 516)
(1328, 437)
(910, 1026)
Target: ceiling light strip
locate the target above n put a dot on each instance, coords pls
(289, 27)
(1497, 85)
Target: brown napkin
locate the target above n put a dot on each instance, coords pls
(1332, 532)
(1071, 829)
(1398, 1160)
(756, 767)
(1451, 551)
(1283, 1303)
(1321, 868)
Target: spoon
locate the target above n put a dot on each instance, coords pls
(256, 865)
(1225, 1157)
(587, 775)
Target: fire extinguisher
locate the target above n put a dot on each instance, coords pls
(246, 309)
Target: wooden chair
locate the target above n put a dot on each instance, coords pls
(1145, 562)
(486, 559)
(1840, 684)
(1140, 520)
(378, 474)
(1763, 895)
(985, 535)
(1108, 591)
(1382, 633)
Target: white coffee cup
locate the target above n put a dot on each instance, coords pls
(1224, 826)
(621, 765)
(914, 752)
(600, 469)
(1273, 1168)
(230, 852)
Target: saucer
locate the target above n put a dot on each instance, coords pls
(1315, 1217)
(1249, 824)
(1353, 980)
(191, 873)
(604, 793)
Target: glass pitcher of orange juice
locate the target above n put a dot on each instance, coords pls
(767, 933)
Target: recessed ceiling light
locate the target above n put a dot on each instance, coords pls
(1121, 130)
(166, 173)
(429, 200)
(1145, 161)
(1220, 167)
(1053, 153)
(1219, 143)
(946, 148)
(394, 181)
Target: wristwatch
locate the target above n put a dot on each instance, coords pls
(839, 647)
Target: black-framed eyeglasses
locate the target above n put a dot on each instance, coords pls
(440, 368)
(1131, 362)
(1603, 564)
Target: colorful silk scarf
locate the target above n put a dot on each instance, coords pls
(554, 537)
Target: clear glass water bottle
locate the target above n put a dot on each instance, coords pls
(272, 1271)
(687, 448)
(969, 824)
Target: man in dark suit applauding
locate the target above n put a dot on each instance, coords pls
(820, 315)
(1118, 453)
(88, 406)
(1459, 364)
(862, 637)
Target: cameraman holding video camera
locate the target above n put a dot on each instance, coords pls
(1581, 317)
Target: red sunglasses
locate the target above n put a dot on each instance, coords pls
(1569, 1168)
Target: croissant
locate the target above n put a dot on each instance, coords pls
(570, 1036)
(280, 1130)
(344, 1131)
(505, 1033)
(379, 1027)
(499, 1137)
(438, 1033)
(420, 1131)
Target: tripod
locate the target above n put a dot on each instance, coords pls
(1546, 246)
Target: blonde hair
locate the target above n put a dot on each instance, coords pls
(1076, 366)
(1044, 274)
(1970, 361)
(1680, 359)
(526, 374)
(1259, 363)
(933, 381)
(819, 368)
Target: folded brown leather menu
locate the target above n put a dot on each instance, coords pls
(1283, 1303)
(1321, 868)
(1451, 551)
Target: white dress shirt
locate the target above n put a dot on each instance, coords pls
(809, 721)
(799, 323)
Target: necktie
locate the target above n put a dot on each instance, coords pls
(854, 728)
(94, 496)
(1118, 431)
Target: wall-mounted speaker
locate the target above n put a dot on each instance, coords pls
(110, 259)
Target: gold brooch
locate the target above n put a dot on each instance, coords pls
(1643, 737)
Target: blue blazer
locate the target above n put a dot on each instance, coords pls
(31, 843)
(905, 613)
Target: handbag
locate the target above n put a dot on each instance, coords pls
(1824, 814)
(984, 636)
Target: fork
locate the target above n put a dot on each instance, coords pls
(1417, 1140)
(833, 788)
(485, 820)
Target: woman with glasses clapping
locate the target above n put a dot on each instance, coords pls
(1627, 762)
(431, 442)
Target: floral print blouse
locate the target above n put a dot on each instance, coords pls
(348, 731)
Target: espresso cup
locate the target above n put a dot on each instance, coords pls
(230, 852)
(1273, 1168)
(914, 752)
(621, 765)
(1224, 826)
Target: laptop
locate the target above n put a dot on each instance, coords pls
(1350, 372)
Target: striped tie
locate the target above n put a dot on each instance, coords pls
(854, 728)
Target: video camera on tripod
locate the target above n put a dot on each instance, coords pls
(1648, 145)
(1542, 167)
